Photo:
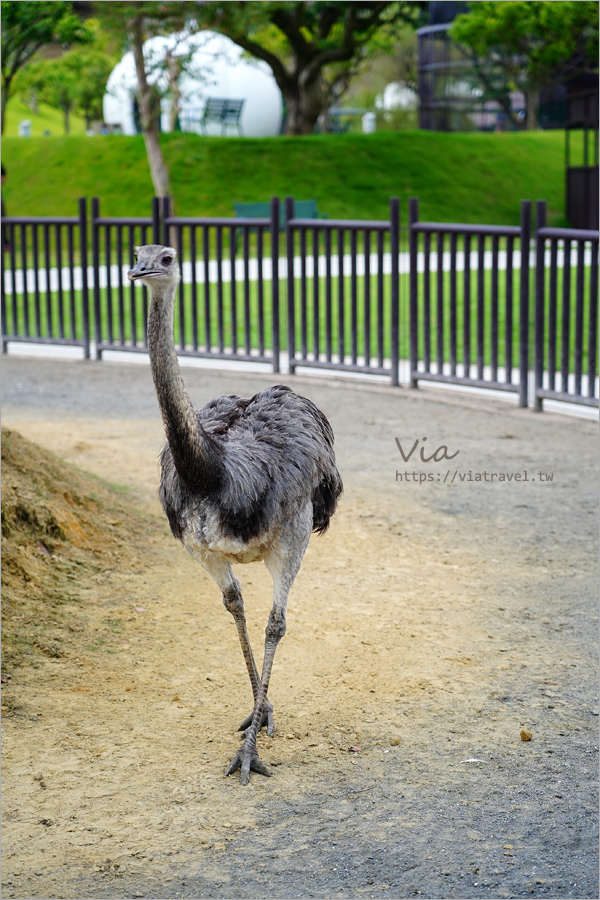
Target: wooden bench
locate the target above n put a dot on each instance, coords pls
(225, 112)
(303, 209)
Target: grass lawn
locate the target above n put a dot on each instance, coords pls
(46, 119)
(461, 177)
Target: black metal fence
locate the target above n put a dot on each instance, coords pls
(120, 312)
(44, 293)
(228, 311)
(343, 307)
(565, 330)
(470, 314)
(468, 320)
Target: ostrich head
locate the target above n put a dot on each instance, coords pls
(155, 265)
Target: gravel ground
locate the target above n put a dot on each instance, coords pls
(447, 610)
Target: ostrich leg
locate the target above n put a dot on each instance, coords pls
(232, 600)
(283, 562)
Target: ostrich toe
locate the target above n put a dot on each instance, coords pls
(247, 759)
(267, 719)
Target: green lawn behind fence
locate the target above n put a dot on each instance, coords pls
(460, 177)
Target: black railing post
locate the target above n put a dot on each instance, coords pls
(395, 298)
(540, 269)
(593, 322)
(413, 218)
(275, 280)
(166, 205)
(96, 269)
(524, 302)
(85, 309)
(155, 220)
(289, 243)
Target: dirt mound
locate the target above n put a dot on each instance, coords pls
(60, 528)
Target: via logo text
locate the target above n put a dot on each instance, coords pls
(437, 456)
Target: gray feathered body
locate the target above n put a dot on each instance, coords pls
(270, 455)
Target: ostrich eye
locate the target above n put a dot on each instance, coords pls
(167, 260)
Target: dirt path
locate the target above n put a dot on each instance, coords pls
(434, 622)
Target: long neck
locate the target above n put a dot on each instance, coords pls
(194, 453)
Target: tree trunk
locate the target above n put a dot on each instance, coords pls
(158, 169)
(66, 120)
(174, 73)
(305, 102)
(149, 104)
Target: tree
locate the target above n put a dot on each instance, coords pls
(312, 48)
(26, 28)
(93, 68)
(140, 21)
(93, 64)
(74, 81)
(528, 46)
(53, 82)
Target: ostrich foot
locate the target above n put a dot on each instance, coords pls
(267, 719)
(247, 759)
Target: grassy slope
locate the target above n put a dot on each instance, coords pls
(46, 119)
(458, 177)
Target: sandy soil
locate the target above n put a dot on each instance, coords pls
(426, 629)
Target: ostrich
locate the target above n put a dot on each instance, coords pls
(241, 481)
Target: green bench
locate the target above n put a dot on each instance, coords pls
(223, 112)
(303, 209)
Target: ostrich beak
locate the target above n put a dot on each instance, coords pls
(140, 270)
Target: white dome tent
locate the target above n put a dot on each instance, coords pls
(218, 69)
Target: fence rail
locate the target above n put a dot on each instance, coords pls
(470, 319)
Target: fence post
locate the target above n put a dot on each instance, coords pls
(540, 247)
(395, 298)
(289, 243)
(96, 270)
(85, 310)
(275, 280)
(166, 205)
(155, 220)
(413, 218)
(524, 302)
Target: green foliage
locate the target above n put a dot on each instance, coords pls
(527, 46)
(458, 177)
(54, 82)
(92, 64)
(74, 81)
(313, 48)
(26, 28)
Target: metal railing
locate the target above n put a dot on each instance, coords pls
(48, 292)
(236, 304)
(338, 323)
(565, 330)
(120, 312)
(479, 309)
(469, 318)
